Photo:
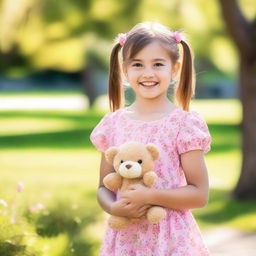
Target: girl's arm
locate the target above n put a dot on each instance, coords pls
(107, 198)
(193, 195)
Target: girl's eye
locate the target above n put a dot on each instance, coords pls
(122, 161)
(159, 64)
(137, 65)
(140, 161)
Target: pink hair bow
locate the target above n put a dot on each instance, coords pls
(177, 37)
(122, 39)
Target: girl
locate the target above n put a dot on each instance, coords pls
(150, 61)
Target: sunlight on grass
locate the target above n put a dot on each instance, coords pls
(43, 102)
(224, 169)
(246, 222)
(219, 111)
(50, 246)
(41, 93)
(19, 125)
(42, 167)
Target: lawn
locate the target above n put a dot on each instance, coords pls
(50, 152)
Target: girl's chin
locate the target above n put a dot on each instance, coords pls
(148, 95)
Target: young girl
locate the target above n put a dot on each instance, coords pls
(150, 61)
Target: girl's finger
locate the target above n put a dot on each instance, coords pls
(143, 210)
(145, 207)
(142, 213)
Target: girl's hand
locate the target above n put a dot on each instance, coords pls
(137, 194)
(124, 208)
(135, 200)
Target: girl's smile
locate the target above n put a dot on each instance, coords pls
(148, 84)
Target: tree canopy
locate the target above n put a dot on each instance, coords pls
(52, 34)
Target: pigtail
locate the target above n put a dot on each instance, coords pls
(186, 86)
(115, 90)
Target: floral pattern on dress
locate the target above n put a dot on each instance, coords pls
(176, 133)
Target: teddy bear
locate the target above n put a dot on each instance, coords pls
(133, 163)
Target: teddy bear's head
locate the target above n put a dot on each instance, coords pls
(132, 159)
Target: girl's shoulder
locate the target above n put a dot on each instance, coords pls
(193, 133)
(102, 134)
(112, 115)
(190, 118)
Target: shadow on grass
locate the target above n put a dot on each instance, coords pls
(87, 117)
(223, 208)
(225, 136)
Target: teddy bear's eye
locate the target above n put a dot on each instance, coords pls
(140, 161)
(122, 161)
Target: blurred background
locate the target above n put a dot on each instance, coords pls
(53, 83)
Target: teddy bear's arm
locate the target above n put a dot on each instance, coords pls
(149, 179)
(113, 181)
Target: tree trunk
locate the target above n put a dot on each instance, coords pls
(89, 86)
(246, 186)
(243, 34)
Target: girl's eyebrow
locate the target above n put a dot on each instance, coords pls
(158, 59)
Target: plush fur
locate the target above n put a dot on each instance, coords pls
(133, 163)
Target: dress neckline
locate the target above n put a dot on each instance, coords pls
(152, 121)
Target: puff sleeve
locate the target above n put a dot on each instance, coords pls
(101, 136)
(193, 134)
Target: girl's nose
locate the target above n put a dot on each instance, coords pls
(148, 73)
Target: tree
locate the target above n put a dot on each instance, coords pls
(243, 33)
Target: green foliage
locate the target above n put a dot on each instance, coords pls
(64, 219)
(12, 242)
(55, 34)
(222, 209)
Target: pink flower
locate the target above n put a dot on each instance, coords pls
(20, 186)
(32, 208)
(122, 39)
(36, 207)
(3, 203)
(40, 206)
(177, 36)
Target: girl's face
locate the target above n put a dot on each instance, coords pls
(150, 72)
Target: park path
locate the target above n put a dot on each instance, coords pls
(222, 241)
(37, 102)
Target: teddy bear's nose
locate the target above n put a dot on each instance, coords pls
(128, 166)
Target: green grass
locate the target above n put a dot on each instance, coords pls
(51, 153)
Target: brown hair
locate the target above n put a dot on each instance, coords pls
(137, 38)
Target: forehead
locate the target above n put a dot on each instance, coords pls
(152, 51)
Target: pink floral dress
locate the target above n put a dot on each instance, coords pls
(176, 133)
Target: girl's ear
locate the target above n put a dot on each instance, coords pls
(175, 68)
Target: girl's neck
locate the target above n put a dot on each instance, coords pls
(152, 106)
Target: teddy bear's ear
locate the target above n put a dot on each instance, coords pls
(154, 151)
(110, 154)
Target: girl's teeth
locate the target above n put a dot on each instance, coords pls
(149, 84)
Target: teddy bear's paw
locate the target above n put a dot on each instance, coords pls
(149, 179)
(118, 223)
(112, 181)
(156, 214)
